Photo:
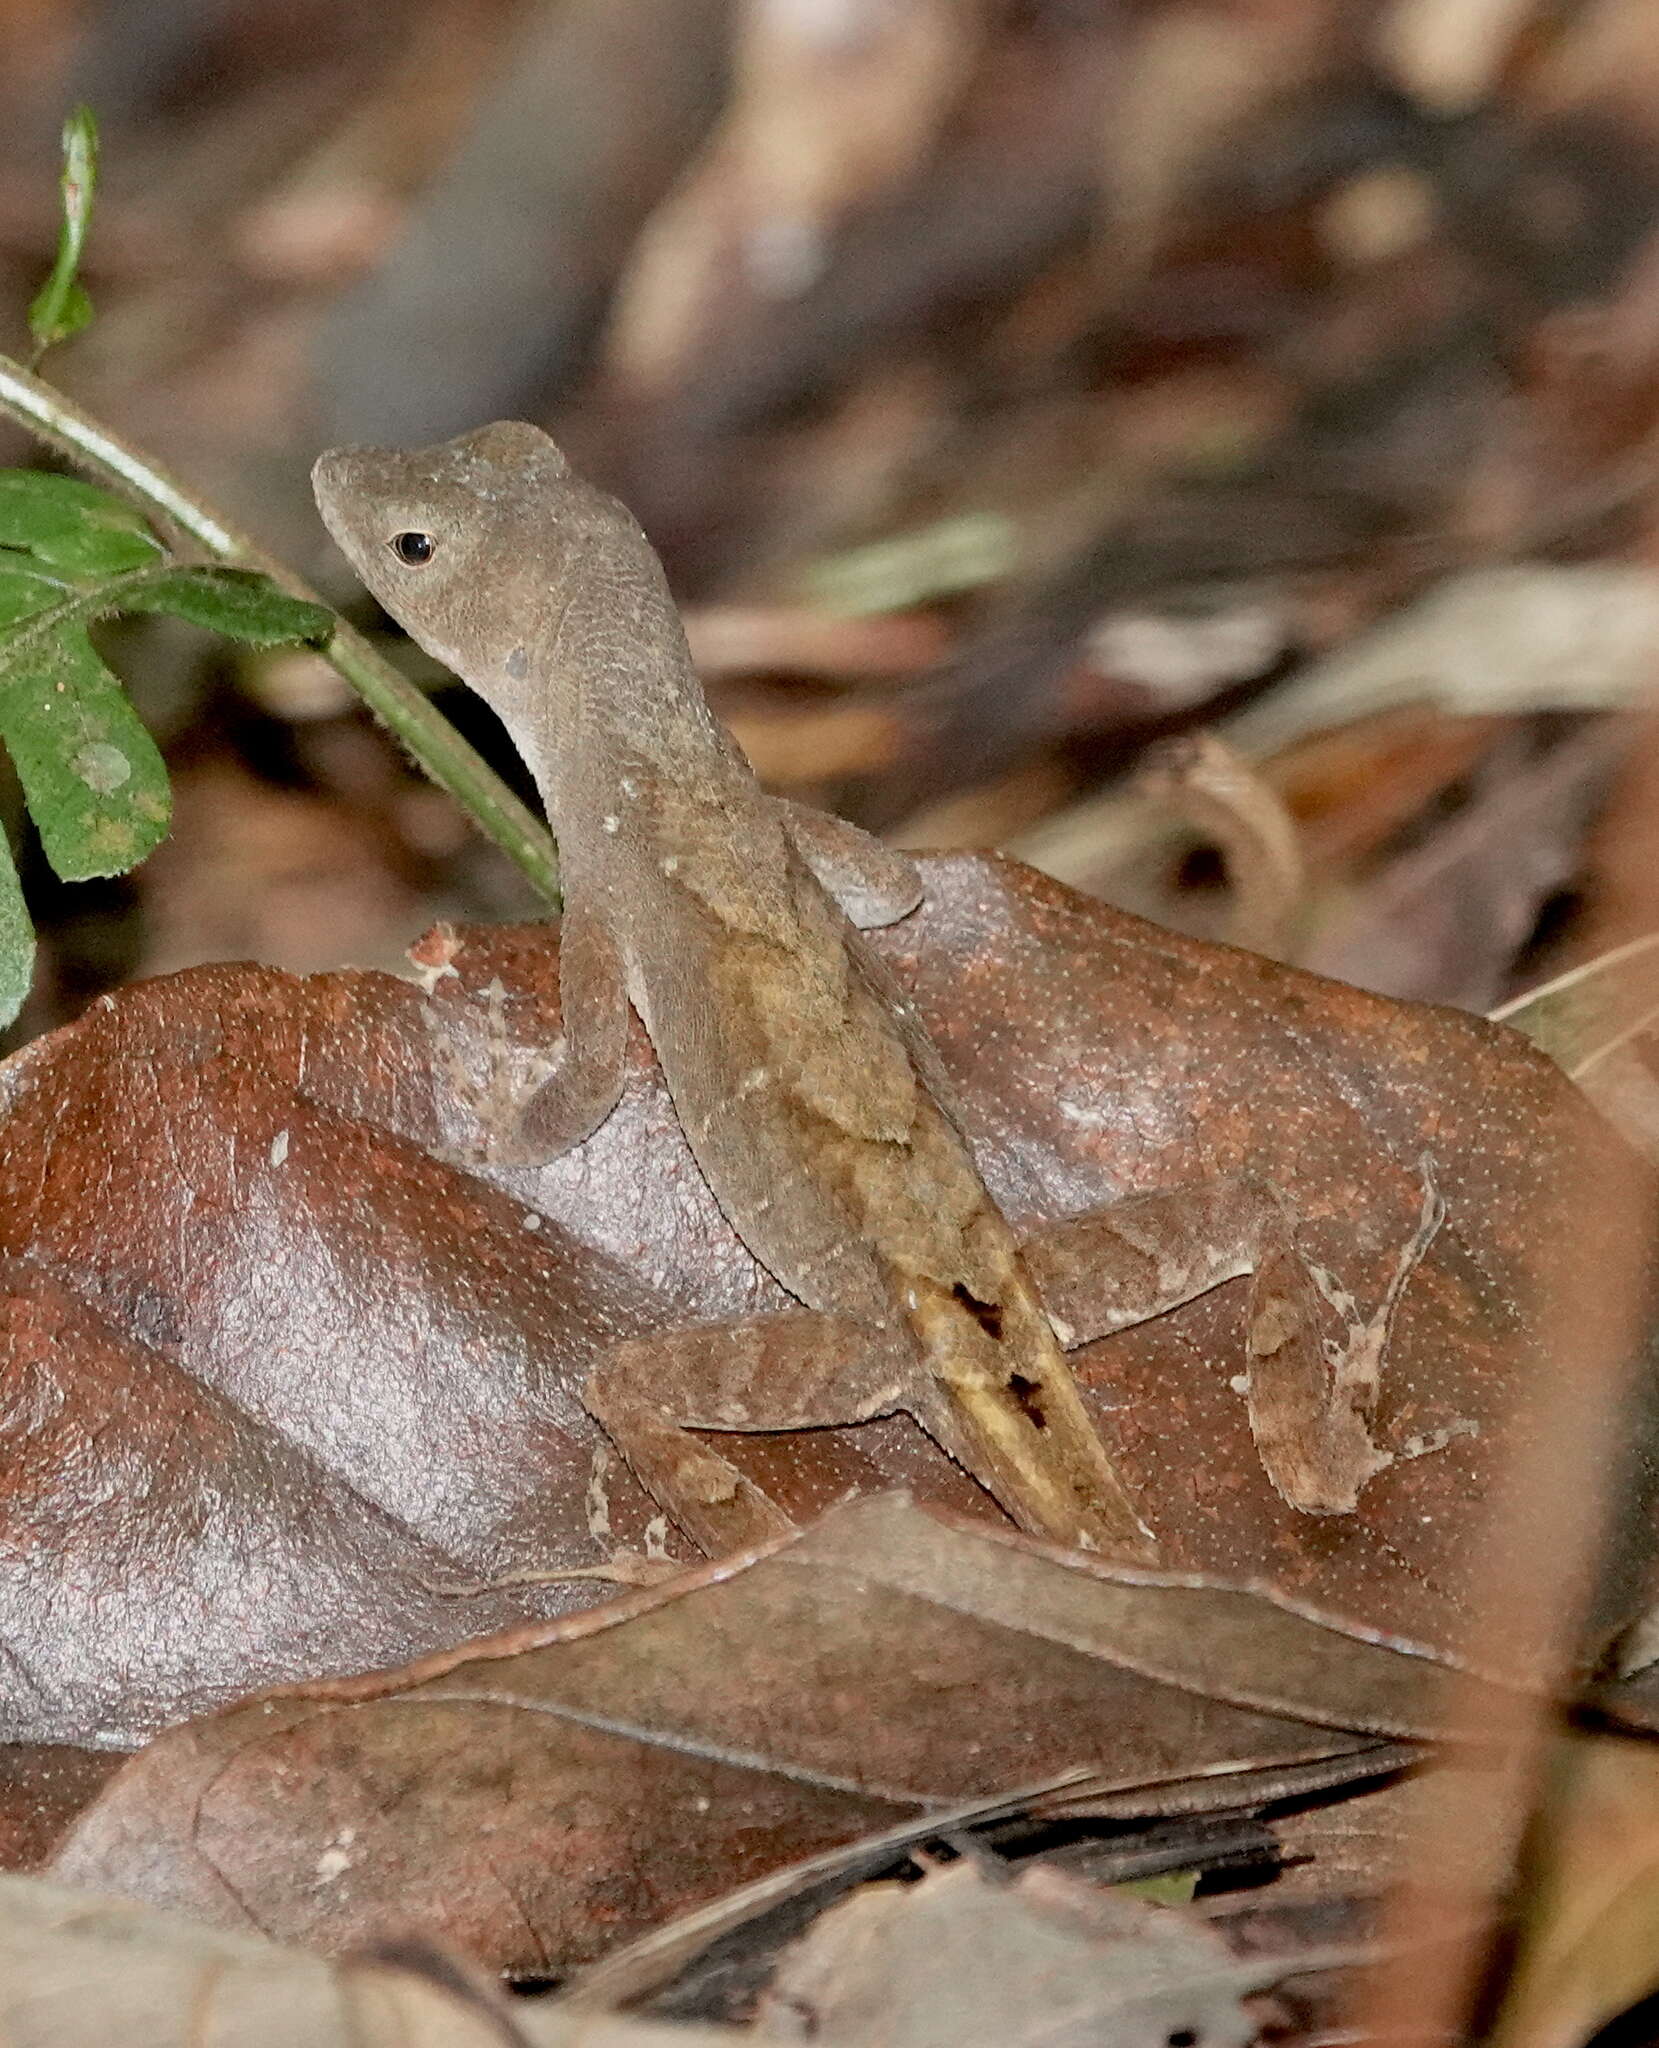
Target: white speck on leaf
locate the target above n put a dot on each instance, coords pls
(279, 1148)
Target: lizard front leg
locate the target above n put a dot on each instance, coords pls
(532, 1107)
(807, 1370)
(1311, 1402)
(776, 1372)
(874, 884)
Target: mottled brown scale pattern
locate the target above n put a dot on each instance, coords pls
(1244, 1142)
(801, 1088)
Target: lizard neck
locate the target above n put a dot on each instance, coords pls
(613, 697)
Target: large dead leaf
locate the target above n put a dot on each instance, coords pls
(547, 1793)
(1099, 1057)
(163, 1548)
(302, 1367)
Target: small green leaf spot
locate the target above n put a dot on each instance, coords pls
(103, 768)
(61, 307)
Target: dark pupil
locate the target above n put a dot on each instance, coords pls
(413, 547)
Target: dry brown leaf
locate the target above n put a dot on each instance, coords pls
(543, 1795)
(360, 1356)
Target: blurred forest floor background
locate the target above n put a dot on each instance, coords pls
(1009, 385)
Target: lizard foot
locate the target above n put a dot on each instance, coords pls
(492, 1080)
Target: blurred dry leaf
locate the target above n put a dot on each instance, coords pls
(1449, 916)
(1484, 645)
(1526, 636)
(1450, 54)
(831, 105)
(1193, 78)
(1593, 1020)
(1590, 1010)
(1589, 1945)
(794, 639)
(1042, 1960)
(80, 1972)
(291, 878)
(1339, 1850)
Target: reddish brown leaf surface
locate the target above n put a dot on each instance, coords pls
(160, 1546)
(1098, 1056)
(42, 1787)
(313, 1370)
(547, 1794)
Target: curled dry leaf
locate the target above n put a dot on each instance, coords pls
(548, 1793)
(333, 1373)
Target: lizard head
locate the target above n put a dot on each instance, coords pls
(446, 536)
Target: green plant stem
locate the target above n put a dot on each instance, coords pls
(430, 738)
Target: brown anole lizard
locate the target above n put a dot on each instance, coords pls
(811, 1097)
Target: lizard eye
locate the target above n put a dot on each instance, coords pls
(413, 548)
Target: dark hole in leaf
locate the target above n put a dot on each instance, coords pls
(1029, 1395)
(987, 1314)
(1184, 2037)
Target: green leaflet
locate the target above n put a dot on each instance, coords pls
(239, 603)
(61, 307)
(92, 777)
(69, 525)
(17, 939)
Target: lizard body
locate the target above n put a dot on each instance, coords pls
(811, 1097)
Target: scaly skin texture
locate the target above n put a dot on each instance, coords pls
(811, 1097)
(807, 1091)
